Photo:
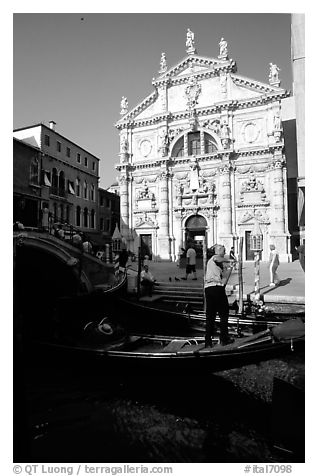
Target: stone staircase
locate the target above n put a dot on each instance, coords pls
(185, 293)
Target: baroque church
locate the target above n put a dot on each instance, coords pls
(203, 156)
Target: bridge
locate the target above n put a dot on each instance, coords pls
(34, 247)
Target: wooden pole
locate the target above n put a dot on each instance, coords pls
(204, 268)
(139, 268)
(240, 276)
(256, 277)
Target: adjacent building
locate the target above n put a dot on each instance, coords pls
(27, 189)
(67, 180)
(203, 155)
(109, 213)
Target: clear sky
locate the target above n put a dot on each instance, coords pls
(75, 71)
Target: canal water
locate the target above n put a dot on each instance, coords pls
(64, 413)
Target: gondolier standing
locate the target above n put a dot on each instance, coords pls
(216, 300)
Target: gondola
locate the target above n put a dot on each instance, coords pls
(158, 318)
(107, 344)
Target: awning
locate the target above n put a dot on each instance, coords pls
(71, 187)
(46, 179)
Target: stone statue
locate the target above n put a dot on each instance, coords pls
(123, 145)
(224, 130)
(273, 72)
(190, 40)
(277, 122)
(223, 47)
(144, 193)
(163, 141)
(163, 63)
(123, 105)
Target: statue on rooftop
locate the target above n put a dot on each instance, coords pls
(273, 73)
(163, 63)
(223, 47)
(123, 105)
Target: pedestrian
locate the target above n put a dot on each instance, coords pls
(146, 260)
(301, 252)
(233, 257)
(147, 280)
(191, 262)
(123, 258)
(87, 246)
(60, 233)
(77, 240)
(215, 296)
(273, 265)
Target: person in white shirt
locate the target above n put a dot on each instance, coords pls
(147, 280)
(215, 296)
(191, 262)
(273, 265)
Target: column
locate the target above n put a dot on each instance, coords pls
(124, 205)
(164, 242)
(278, 235)
(225, 210)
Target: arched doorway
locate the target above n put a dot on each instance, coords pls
(195, 229)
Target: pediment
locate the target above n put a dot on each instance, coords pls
(207, 72)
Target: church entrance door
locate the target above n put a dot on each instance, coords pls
(195, 229)
(146, 245)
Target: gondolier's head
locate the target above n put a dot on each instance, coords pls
(219, 250)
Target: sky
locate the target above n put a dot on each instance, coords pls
(73, 68)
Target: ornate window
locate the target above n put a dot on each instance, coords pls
(85, 189)
(85, 216)
(78, 187)
(92, 193)
(78, 216)
(193, 147)
(35, 172)
(55, 179)
(178, 150)
(61, 183)
(209, 144)
(93, 218)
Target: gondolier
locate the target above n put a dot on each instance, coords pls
(216, 300)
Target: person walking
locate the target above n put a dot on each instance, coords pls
(233, 257)
(216, 300)
(272, 266)
(191, 262)
(301, 252)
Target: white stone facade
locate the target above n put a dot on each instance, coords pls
(204, 151)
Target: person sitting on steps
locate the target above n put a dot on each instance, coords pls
(147, 280)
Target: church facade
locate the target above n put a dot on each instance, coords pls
(203, 155)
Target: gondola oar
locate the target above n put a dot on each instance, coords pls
(240, 276)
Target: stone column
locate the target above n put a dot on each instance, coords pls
(278, 235)
(202, 142)
(185, 145)
(225, 211)
(164, 242)
(124, 206)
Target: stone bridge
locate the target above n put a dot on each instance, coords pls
(39, 256)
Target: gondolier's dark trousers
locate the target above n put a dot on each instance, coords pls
(216, 302)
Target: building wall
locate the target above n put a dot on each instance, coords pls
(298, 63)
(109, 213)
(49, 141)
(26, 191)
(242, 180)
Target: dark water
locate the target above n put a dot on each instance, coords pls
(65, 413)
